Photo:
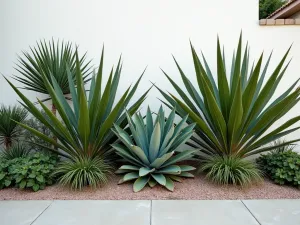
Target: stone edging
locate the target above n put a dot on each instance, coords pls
(279, 22)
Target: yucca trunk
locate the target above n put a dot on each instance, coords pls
(7, 142)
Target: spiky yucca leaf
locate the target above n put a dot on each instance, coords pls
(233, 116)
(47, 60)
(10, 131)
(151, 153)
(85, 129)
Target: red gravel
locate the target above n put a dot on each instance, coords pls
(197, 188)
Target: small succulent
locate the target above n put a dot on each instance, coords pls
(151, 151)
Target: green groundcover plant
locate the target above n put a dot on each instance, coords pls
(33, 171)
(234, 112)
(84, 131)
(151, 153)
(283, 167)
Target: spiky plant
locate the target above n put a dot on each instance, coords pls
(231, 170)
(83, 172)
(84, 131)
(18, 150)
(282, 148)
(10, 131)
(234, 116)
(50, 60)
(152, 152)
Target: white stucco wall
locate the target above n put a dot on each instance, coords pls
(146, 32)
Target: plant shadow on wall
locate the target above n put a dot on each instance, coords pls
(84, 135)
(233, 116)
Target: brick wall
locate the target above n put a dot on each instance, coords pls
(279, 22)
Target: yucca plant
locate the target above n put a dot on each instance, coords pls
(18, 150)
(233, 116)
(50, 60)
(151, 151)
(10, 131)
(84, 131)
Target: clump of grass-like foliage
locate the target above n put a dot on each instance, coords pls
(231, 170)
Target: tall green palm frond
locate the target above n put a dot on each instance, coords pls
(234, 112)
(85, 127)
(10, 131)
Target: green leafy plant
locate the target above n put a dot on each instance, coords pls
(84, 131)
(10, 131)
(34, 171)
(151, 155)
(234, 117)
(47, 61)
(18, 150)
(281, 167)
(231, 170)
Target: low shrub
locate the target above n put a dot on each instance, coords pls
(34, 171)
(282, 167)
(231, 170)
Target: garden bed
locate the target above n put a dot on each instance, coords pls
(194, 189)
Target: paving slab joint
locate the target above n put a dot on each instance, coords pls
(151, 212)
(250, 212)
(41, 213)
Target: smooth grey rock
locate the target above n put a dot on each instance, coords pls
(21, 212)
(201, 212)
(275, 212)
(96, 213)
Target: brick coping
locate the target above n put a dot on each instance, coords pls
(279, 22)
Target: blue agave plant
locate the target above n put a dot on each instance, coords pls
(151, 151)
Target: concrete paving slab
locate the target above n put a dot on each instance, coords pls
(21, 212)
(275, 212)
(201, 212)
(96, 213)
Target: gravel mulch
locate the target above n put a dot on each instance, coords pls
(194, 189)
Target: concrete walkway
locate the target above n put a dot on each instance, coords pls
(244, 212)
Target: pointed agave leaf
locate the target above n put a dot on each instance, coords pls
(149, 121)
(129, 167)
(188, 154)
(186, 174)
(158, 162)
(140, 183)
(141, 154)
(145, 171)
(235, 117)
(152, 183)
(186, 168)
(154, 142)
(129, 177)
(169, 184)
(173, 170)
(161, 179)
(224, 92)
(84, 120)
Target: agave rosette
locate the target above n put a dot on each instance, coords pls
(151, 152)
